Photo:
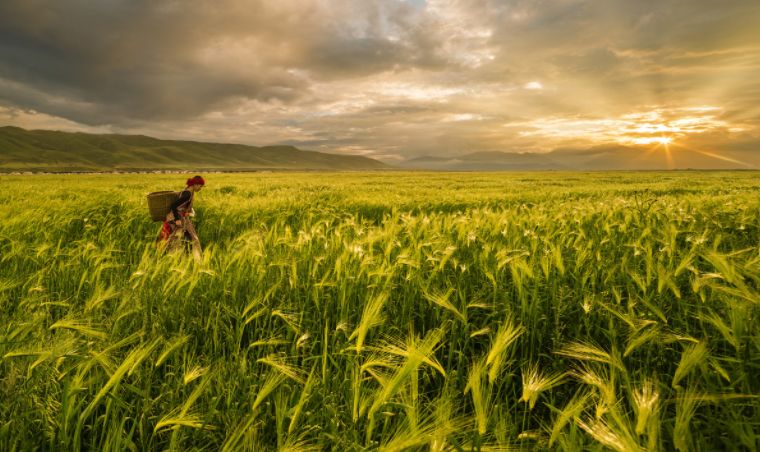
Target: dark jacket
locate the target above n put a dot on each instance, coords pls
(184, 202)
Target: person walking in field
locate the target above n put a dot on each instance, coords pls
(177, 228)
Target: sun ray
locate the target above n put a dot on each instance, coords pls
(668, 154)
(717, 156)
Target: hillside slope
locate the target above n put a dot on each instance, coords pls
(45, 150)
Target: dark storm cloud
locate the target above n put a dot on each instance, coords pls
(116, 60)
(119, 60)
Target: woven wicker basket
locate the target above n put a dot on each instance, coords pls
(159, 204)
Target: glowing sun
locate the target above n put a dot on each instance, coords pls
(653, 140)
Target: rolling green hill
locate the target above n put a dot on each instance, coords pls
(46, 150)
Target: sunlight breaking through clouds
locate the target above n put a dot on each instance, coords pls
(418, 91)
(660, 126)
(462, 117)
(534, 86)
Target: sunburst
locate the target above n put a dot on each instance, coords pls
(662, 140)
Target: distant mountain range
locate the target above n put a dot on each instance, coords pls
(607, 157)
(45, 150)
(485, 161)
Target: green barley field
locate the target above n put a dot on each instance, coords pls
(384, 311)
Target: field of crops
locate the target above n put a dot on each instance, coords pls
(386, 311)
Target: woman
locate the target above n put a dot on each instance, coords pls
(178, 228)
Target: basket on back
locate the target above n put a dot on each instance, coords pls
(159, 204)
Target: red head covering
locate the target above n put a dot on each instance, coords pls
(197, 180)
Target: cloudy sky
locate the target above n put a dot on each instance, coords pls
(391, 79)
